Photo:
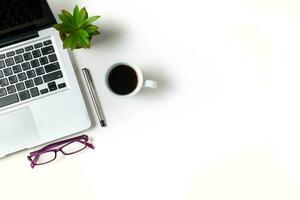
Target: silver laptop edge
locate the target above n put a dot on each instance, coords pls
(50, 116)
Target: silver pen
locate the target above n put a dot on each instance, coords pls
(93, 94)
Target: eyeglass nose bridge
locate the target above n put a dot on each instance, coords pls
(59, 150)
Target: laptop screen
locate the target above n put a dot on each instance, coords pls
(20, 16)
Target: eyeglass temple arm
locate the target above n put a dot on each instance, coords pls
(87, 144)
(33, 161)
(61, 142)
(90, 145)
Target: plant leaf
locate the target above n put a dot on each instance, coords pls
(79, 38)
(66, 17)
(69, 42)
(95, 33)
(92, 30)
(63, 28)
(83, 14)
(83, 38)
(76, 16)
(57, 26)
(90, 20)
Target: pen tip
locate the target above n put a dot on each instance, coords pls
(102, 123)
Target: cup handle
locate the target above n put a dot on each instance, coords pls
(150, 84)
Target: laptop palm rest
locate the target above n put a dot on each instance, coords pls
(17, 131)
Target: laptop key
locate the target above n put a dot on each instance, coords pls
(26, 66)
(27, 56)
(8, 100)
(17, 69)
(52, 76)
(3, 82)
(18, 59)
(30, 73)
(52, 58)
(52, 67)
(1, 74)
(2, 64)
(2, 92)
(24, 95)
(47, 50)
(8, 71)
(62, 85)
(19, 51)
(29, 48)
(39, 71)
(44, 60)
(29, 83)
(47, 42)
(20, 86)
(9, 61)
(11, 89)
(52, 86)
(2, 56)
(22, 76)
(36, 53)
(34, 92)
(44, 91)
(13, 79)
(11, 53)
(35, 63)
(38, 45)
(38, 81)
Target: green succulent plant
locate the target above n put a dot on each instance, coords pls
(77, 30)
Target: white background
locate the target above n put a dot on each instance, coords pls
(223, 123)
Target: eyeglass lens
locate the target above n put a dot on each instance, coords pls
(74, 147)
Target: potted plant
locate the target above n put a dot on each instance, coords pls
(77, 30)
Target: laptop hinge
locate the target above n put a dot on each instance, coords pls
(18, 38)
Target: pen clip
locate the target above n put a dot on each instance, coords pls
(92, 82)
(89, 77)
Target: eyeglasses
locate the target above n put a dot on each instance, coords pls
(67, 147)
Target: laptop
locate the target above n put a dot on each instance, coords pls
(40, 99)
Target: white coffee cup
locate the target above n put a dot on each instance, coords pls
(141, 83)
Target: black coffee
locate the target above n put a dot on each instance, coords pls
(122, 80)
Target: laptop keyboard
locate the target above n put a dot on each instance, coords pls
(29, 72)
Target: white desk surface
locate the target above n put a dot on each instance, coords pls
(223, 124)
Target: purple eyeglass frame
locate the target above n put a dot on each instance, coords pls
(34, 156)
